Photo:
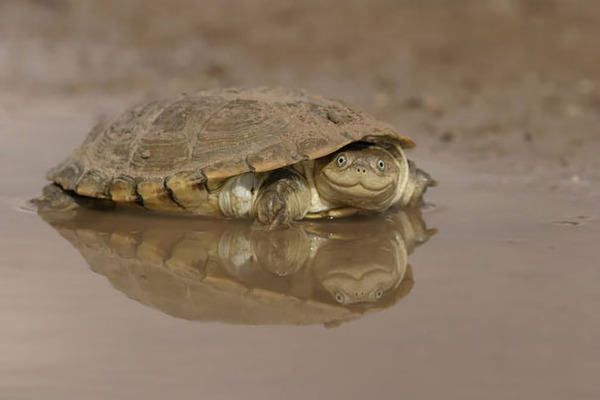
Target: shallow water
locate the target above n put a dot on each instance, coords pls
(501, 302)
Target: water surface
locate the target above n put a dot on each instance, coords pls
(500, 303)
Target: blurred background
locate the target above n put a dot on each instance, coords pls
(505, 86)
(503, 100)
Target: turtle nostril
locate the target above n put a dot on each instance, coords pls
(361, 169)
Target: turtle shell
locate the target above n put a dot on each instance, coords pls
(212, 135)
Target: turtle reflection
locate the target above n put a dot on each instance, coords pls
(213, 270)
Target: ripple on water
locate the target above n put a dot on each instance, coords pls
(574, 221)
(22, 204)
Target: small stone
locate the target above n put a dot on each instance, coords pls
(334, 117)
(215, 70)
(448, 137)
(414, 102)
(146, 154)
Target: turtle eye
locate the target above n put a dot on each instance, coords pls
(381, 165)
(379, 294)
(341, 160)
(339, 297)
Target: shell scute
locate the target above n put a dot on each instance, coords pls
(172, 119)
(123, 190)
(156, 196)
(189, 190)
(159, 153)
(67, 174)
(93, 183)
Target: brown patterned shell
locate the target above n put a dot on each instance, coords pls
(212, 135)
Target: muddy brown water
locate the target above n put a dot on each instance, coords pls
(502, 302)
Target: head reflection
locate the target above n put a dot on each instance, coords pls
(314, 272)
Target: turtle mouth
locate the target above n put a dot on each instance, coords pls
(359, 188)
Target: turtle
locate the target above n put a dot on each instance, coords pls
(274, 155)
(326, 272)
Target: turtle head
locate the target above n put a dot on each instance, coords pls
(361, 175)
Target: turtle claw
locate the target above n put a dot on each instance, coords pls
(273, 211)
(56, 199)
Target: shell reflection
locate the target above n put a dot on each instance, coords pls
(210, 270)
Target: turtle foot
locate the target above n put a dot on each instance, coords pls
(272, 210)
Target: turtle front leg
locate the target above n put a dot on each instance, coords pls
(283, 197)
